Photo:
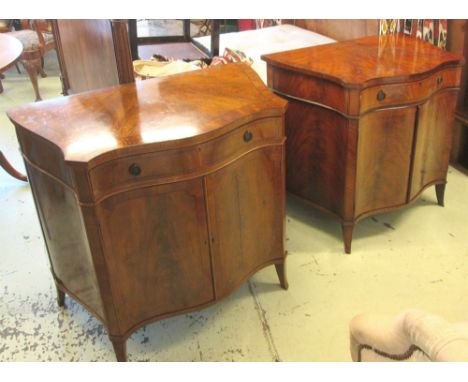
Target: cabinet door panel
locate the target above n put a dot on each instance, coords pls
(316, 152)
(157, 250)
(433, 141)
(246, 214)
(384, 158)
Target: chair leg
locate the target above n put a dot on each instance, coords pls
(1, 86)
(32, 67)
(17, 68)
(41, 70)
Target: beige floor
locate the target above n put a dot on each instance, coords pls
(416, 257)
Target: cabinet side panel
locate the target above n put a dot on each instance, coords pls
(65, 236)
(433, 141)
(316, 155)
(384, 159)
(156, 249)
(246, 212)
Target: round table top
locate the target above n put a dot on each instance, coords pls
(10, 51)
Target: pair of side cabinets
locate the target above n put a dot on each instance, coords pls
(163, 196)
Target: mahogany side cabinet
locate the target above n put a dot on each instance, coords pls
(158, 197)
(369, 123)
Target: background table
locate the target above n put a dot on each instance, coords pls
(10, 52)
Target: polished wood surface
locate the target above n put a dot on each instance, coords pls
(369, 123)
(149, 114)
(11, 50)
(367, 61)
(161, 197)
(340, 29)
(93, 54)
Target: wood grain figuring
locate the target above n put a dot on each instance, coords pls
(158, 198)
(369, 61)
(384, 159)
(87, 52)
(150, 115)
(433, 141)
(162, 269)
(65, 237)
(301, 86)
(411, 92)
(366, 136)
(340, 29)
(237, 246)
(314, 152)
(123, 54)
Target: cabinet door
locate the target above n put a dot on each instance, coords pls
(246, 215)
(433, 141)
(156, 249)
(384, 158)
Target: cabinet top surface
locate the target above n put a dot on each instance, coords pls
(372, 59)
(187, 108)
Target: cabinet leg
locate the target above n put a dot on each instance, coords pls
(440, 193)
(281, 272)
(120, 348)
(60, 297)
(347, 229)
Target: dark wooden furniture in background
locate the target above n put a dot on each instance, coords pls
(11, 50)
(158, 197)
(184, 40)
(102, 57)
(340, 29)
(460, 140)
(369, 123)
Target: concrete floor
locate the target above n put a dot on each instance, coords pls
(415, 257)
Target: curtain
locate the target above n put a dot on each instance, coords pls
(431, 30)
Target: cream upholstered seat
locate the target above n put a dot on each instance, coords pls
(411, 336)
(30, 40)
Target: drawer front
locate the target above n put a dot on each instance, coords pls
(405, 93)
(308, 88)
(178, 164)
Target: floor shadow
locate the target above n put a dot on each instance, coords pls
(367, 227)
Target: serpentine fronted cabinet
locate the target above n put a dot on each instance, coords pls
(159, 197)
(369, 123)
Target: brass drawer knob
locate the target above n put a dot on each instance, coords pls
(248, 136)
(381, 95)
(134, 169)
(440, 80)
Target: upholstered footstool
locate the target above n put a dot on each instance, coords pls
(411, 336)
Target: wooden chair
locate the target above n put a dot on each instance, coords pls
(37, 39)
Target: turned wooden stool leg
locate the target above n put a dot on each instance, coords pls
(10, 169)
(440, 193)
(120, 348)
(33, 67)
(347, 229)
(281, 272)
(60, 297)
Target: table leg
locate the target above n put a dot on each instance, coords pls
(10, 170)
